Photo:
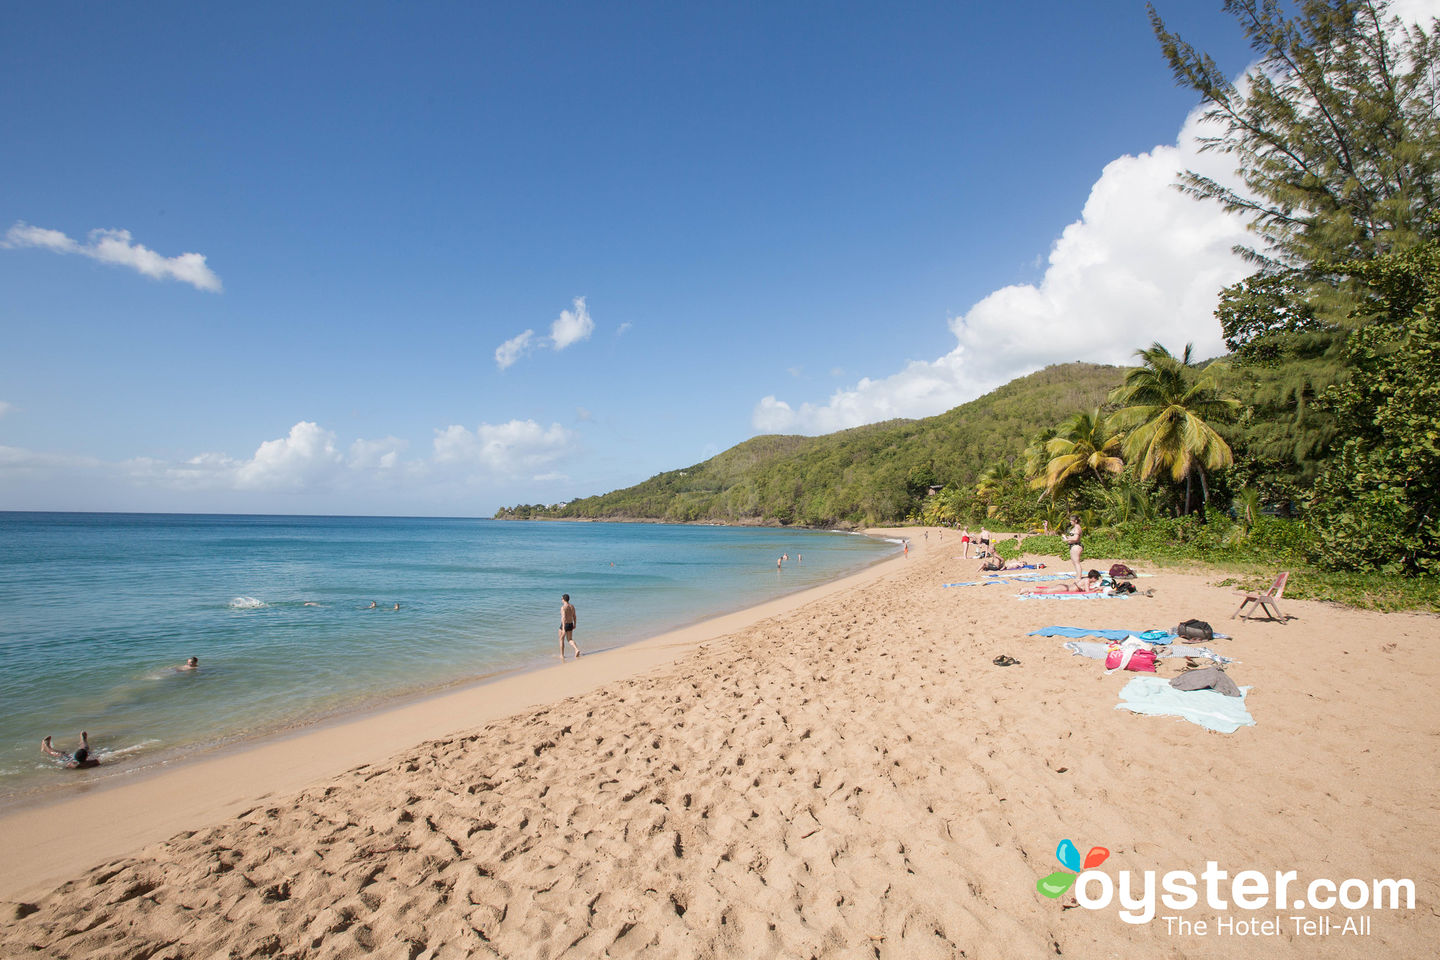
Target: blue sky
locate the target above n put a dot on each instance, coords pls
(743, 218)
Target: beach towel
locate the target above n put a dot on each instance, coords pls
(1211, 710)
(1096, 595)
(1149, 636)
(995, 578)
(1096, 651)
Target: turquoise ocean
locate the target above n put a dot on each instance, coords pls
(97, 609)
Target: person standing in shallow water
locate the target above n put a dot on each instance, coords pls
(567, 626)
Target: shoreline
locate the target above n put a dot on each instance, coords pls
(134, 758)
(855, 770)
(119, 814)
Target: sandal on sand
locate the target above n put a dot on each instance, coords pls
(1004, 660)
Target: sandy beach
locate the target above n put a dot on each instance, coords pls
(843, 773)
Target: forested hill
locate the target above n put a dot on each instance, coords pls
(867, 475)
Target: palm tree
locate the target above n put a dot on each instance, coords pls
(1037, 457)
(1165, 404)
(994, 480)
(1084, 442)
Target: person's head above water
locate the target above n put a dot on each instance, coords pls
(80, 755)
(193, 662)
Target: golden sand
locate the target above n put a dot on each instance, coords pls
(842, 774)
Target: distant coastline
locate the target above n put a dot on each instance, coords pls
(845, 526)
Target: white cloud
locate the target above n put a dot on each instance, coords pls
(118, 248)
(503, 449)
(1144, 263)
(623, 328)
(5, 407)
(307, 465)
(513, 349)
(572, 326)
(307, 458)
(376, 454)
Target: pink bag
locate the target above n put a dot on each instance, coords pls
(1141, 661)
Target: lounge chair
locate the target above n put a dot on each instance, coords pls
(1265, 601)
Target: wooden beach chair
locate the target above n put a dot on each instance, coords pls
(1266, 601)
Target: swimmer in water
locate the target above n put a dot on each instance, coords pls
(372, 606)
(79, 760)
(397, 606)
(192, 664)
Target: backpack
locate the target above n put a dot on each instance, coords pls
(1120, 570)
(1194, 630)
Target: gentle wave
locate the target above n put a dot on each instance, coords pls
(246, 603)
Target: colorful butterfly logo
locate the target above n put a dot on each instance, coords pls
(1069, 857)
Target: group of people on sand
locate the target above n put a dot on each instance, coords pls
(1092, 581)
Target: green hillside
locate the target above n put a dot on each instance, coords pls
(872, 474)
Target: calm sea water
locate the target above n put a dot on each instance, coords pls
(96, 610)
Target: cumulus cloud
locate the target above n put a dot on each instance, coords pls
(569, 328)
(5, 407)
(572, 326)
(117, 247)
(307, 465)
(376, 454)
(505, 448)
(1143, 263)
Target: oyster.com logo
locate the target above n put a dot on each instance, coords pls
(1069, 856)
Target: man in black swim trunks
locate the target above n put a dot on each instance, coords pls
(567, 625)
(79, 760)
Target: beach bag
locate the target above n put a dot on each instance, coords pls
(1142, 661)
(1120, 570)
(1124, 586)
(1194, 630)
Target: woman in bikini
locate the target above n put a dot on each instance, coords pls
(1090, 584)
(1073, 538)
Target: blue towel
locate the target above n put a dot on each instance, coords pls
(1211, 710)
(1149, 636)
(1077, 632)
(1002, 578)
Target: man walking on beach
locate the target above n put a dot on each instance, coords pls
(567, 625)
